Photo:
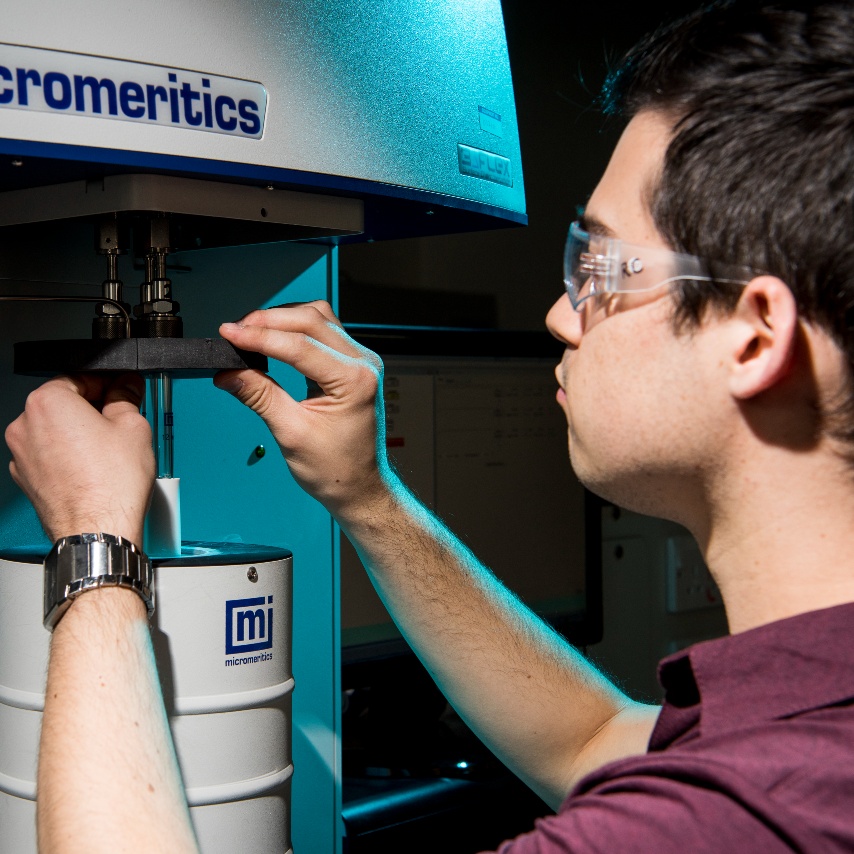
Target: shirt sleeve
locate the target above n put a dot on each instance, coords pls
(666, 807)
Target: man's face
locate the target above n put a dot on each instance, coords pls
(637, 397)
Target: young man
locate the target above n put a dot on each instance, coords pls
(707, 378)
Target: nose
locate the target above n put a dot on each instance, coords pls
(564, 322)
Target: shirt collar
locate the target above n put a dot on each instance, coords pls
(767, 673)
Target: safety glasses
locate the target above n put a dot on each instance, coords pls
(594, 264)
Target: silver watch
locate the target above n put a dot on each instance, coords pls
(89, 561)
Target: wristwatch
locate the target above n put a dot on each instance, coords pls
(89, 561)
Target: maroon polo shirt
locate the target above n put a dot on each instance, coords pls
(753, 752)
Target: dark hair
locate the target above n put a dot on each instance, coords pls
(760, 171)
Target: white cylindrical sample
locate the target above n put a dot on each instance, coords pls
(222, 641)
(163, 522)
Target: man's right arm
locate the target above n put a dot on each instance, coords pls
(108, 778)
(535, 701)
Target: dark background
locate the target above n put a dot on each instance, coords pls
(560, 54)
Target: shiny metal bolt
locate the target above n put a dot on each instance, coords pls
(252, 574)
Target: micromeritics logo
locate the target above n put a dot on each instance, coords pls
(94, 87)
(248, 625)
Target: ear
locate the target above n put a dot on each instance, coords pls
(765, 332)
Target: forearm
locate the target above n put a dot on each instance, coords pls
(538, 704)
(534, 700)
(107, 779)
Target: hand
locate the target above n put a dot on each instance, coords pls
(82, 453)
(333, 442)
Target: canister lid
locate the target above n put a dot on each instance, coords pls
(193, 553)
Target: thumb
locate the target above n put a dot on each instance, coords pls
(123, 396)
(261, 393)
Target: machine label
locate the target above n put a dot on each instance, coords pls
(490, 121)
(484, 164)
(52, 81)
(248, 625)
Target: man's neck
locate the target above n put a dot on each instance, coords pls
(784, 544)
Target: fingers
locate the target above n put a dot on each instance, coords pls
(100, 390)
(309, 338)
(88, 386)
(122, 396)
(340, 377)
(262, 394)
(316, 320)
(58, 401)
(80, 466)
(295, 309)
(67, 403)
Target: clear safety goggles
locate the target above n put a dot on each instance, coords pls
(594, 264)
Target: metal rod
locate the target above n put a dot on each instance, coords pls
(112, 266)
(166, 463)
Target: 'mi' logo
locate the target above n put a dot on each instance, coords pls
(248, 624)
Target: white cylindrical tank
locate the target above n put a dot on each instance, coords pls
(222, 641)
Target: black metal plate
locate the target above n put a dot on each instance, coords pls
(180, 357)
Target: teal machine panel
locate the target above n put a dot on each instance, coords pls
(229, 494)
(255, 500)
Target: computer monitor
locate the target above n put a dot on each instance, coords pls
(473, 427)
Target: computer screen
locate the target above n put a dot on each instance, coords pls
(473, 428)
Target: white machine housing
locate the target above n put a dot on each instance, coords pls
(408, 104)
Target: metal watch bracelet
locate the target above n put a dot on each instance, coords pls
(89, 561)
